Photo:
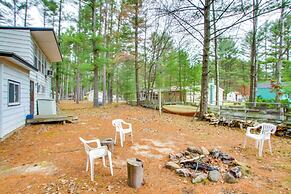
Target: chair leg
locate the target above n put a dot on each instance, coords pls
(103, 161)
(245, 142)
(257, 144)
(270, 147)
(131, 137)
(92, 168)
(115, 138)
(121, 139)
(261, 147)
(110, 162)
(87, 164)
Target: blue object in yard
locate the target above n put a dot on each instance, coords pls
(30, 116)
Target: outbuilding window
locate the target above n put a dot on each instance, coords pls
(14, 93)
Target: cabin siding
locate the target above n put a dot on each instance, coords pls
(13, 117)
(18, 42)
(22, 44)
(39, 79)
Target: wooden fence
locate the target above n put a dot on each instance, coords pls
(275, 115)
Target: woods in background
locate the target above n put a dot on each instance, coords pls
(123, 47)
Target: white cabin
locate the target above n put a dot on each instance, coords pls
(90, 97)
(26, 55)
(212, 94)
(234, 97)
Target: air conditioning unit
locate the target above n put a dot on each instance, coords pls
(49, 73)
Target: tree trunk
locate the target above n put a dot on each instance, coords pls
(119, 21)
(180, 75)
(44, 16)
(204, 77)
(145, 53)
(106, 53)
(25, 13)
(77, 86)
(58, 64)
(215, 58)
(14, 12)
(77, 57)
(280, 53)
(111, 68)
(95, 52)
(67, 84)
(136, 51)
(253, 69)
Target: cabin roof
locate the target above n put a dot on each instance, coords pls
(46, 40)
(17, 60)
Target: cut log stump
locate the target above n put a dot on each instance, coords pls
(134, 172)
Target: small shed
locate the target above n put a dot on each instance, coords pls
(168, 95)
(234, 97)
(212, 94)
(90, 96)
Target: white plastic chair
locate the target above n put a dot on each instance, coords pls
(96, 152)
(265, 134)
(118, 124)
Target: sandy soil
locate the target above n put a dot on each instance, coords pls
(49, 158)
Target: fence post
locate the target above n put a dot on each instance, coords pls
(282, 114)
(160, 102)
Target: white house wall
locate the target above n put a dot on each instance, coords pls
(18, 42)
(39, 78)
(1, 101)
(13, 117)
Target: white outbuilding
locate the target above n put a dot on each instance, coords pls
(234, 97)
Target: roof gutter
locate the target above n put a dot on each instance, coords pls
(17, 58)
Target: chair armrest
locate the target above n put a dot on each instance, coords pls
(129, 124)
(273, 130)
(101, 147)
(250, 128)
(97, 141)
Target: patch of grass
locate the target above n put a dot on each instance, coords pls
(284, 166)
(43, 164)
(287, 182)
(51, 133)
(4, 169)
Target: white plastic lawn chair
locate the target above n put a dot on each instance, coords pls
(118, 124)
(96, 152)
(265, 134)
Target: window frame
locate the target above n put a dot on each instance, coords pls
(19, 94)
(41, 60)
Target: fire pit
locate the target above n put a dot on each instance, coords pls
(200, 164)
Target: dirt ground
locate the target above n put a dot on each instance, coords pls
(49, 158)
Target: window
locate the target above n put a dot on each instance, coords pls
(39, 64)
(37, 88)
(14, 93)
(35, 56)
(43, 65)
(40, 60)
